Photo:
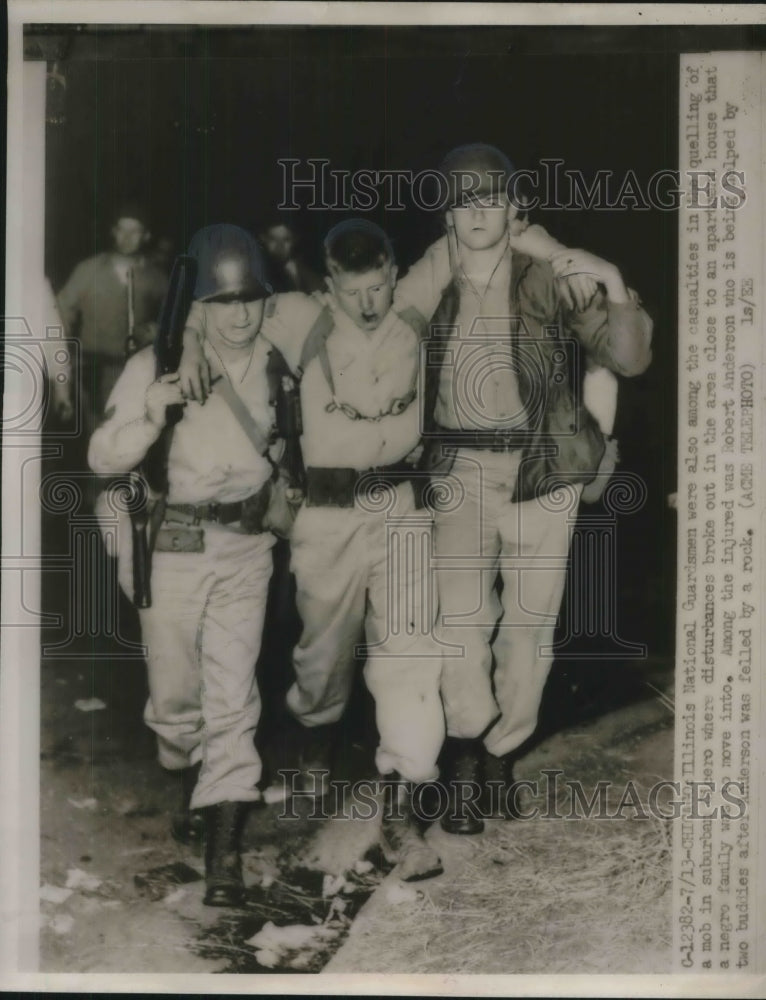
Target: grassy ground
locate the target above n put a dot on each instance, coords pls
(545, 895)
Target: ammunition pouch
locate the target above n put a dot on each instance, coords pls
(179, 538)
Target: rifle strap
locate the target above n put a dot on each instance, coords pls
(244, 418)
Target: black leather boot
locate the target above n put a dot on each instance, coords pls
(498, 800)
(224, 824)
(188, 826)
(401, 833)
(462, 769)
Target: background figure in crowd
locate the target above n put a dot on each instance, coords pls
(162, 255)
(289, 271)
(212, 559)
(94, 308)
(497, 393)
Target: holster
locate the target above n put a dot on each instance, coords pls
(254, 510)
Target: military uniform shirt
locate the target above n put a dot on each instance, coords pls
(211, 458)
(478, 388)
(370, 371)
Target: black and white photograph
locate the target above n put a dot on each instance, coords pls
(382, 520)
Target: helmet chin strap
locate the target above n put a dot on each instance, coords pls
(456, 264)
(454, 249)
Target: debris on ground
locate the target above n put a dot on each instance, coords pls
(62, 923)
(157, 881)
(76, 878)
(401, 892)
(174, 897)
(332, 885)
(54, 894)
(293, 946)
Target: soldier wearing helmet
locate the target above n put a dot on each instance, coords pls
(499, 398)
(212, 559)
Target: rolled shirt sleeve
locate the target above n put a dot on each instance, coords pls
(125, 435)
(617, 335)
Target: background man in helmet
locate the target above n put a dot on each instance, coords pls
(211, 570)
(94, 306)
(499, 383)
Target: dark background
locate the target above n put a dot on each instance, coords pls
(193, 120)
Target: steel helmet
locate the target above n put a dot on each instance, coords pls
(230, 265)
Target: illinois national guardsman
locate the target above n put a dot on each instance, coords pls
(212, 558)
(506, 419)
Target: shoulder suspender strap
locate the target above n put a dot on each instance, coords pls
(415, 319)
(324, 361)
(315, 345)
(243, 415)
(317, 335)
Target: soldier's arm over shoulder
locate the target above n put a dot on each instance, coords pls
(125, 434)
(287, 319)
(614, 328)
(617, 335)
(423, 285)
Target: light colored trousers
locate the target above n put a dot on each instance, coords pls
(203, 636)
(369, 568)
(528, 544)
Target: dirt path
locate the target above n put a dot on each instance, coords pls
(120, 896)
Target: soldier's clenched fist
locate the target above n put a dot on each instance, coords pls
(165, 392)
